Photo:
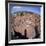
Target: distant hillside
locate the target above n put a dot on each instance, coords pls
(19, 12)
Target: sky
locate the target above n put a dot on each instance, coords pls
(35, 9)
